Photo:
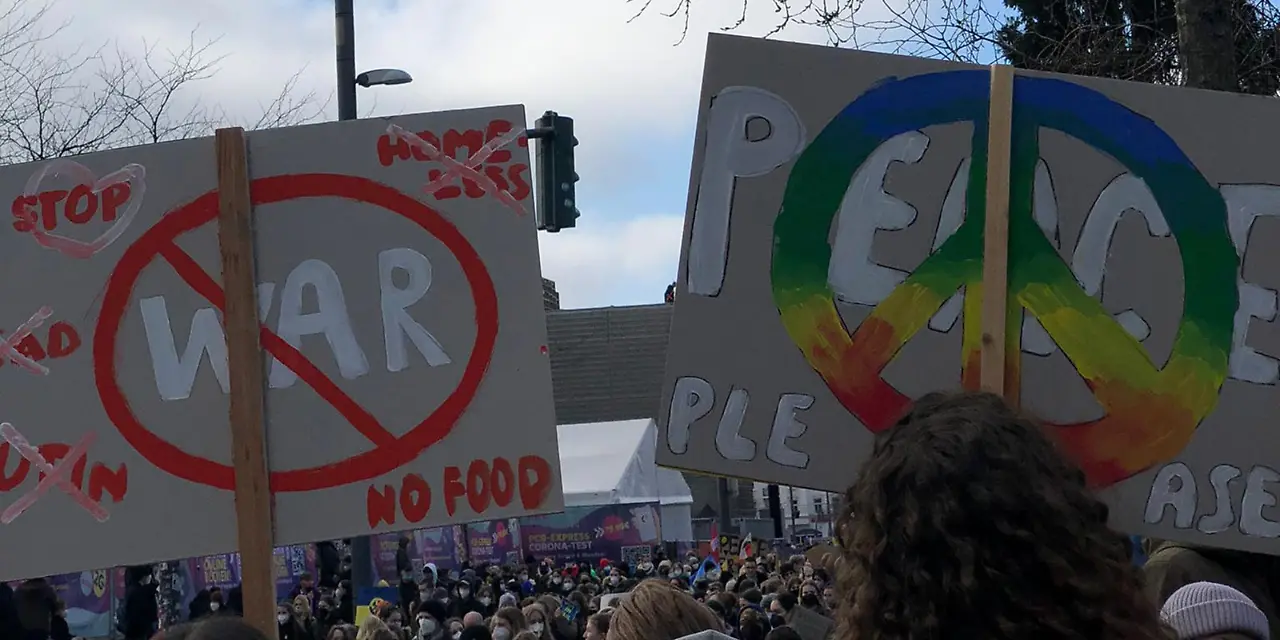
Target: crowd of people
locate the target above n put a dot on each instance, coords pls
(965, 522)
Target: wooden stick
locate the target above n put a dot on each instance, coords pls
(995, 254)
(244, 362)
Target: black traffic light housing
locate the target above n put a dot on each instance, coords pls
(557, 198)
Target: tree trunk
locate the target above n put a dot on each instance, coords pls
(1206, 44)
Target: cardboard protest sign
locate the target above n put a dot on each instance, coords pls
(403, 338)
(833, 262)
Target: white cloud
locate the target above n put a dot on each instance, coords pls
(624, 83)
(613, 264)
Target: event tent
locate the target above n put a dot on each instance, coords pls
(613, 463)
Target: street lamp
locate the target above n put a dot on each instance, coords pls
(344, 16)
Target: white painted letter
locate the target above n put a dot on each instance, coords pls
(729, 154)
(1163, 494)
(1257, 498)
(1089, 263)
(396, 321)
(176, 376)
(691, 400)
(867, 207)
(729, 440)
(1245, 202)
(1223, 515)
(785, 426)
(331, 319)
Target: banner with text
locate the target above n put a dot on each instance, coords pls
(591, 533)
(223, 570)
(495, 541)
(436, 546)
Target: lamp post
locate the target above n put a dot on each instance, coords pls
(344, 17)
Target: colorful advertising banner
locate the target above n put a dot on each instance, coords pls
(493, 542)
(437, 546)
(223, 570)
(88, 598)
(590, 533)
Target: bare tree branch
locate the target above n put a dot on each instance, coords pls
(59, 103)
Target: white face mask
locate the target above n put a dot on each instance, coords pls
(426, 627)
(282, 618)
(463, 593)
(214, 606)
(485, 600)
(536, 628)
(501, 633)
(457, 636)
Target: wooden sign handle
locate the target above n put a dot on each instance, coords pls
(995, 250)
(254, 522)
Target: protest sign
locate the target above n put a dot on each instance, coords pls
(590, 533)
(853, 186)
(398, 309)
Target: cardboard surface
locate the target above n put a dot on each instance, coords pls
(1139, 275)
(418, 369)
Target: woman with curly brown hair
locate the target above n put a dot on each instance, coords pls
(967, 522)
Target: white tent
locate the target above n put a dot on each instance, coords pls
(613, 463)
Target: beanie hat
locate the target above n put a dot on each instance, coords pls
(507, 600)
(1201, 609)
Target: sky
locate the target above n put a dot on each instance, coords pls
(631, 89)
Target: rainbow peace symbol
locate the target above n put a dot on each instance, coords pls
(1151, 412)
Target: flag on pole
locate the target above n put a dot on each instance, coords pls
(709, 569)
(748, 548)
(715, 542)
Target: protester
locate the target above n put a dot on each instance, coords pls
(597, 627)
(288, 627)
(1174, 565)
(1208, 611)
(506, 623)
(371, 628)
(971, 524)
(656, 611)
(58, 628)
(472, 619)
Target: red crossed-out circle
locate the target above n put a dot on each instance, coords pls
(390, 451)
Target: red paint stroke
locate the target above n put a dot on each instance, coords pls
(7, 345)
(132, 174)
(158, 241)
(467, 170)
(54, 476)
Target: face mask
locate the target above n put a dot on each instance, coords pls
(776, 621)
(282, 618)
(214, 606)
(555, 581)
(457, 636)
(809, 599)
(428, 626)
(339, 593)
(485, 600)
(501, 633)
(536, 628)
(613, 580)
(567, 587)
(463, 593)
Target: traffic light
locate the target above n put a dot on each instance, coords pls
(557, 199)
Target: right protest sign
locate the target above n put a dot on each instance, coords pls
(833, 258)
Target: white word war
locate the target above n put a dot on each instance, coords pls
(175, 374)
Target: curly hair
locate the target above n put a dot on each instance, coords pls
(967, 522)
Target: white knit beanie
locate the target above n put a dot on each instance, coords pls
(1204, 608)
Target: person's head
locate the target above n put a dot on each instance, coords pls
(749, 566)
(964, 476)
(216, 599)
(829, 597)
(430, 618)
(752, 596)
(809, 594)
(656, 611)
(597, 627)
(338, 633)
(535, 615)
(306, 581)
(1207, 610)
(213, 628)
(783, 603)
(284, 613)
(472, 619)
(462, 589)
(370, 628)
(752, 625)
(508, 600)
(395, 620)
(302, 608)
(454, 627)
(506, 623)
(404, 542)
(783, 633)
